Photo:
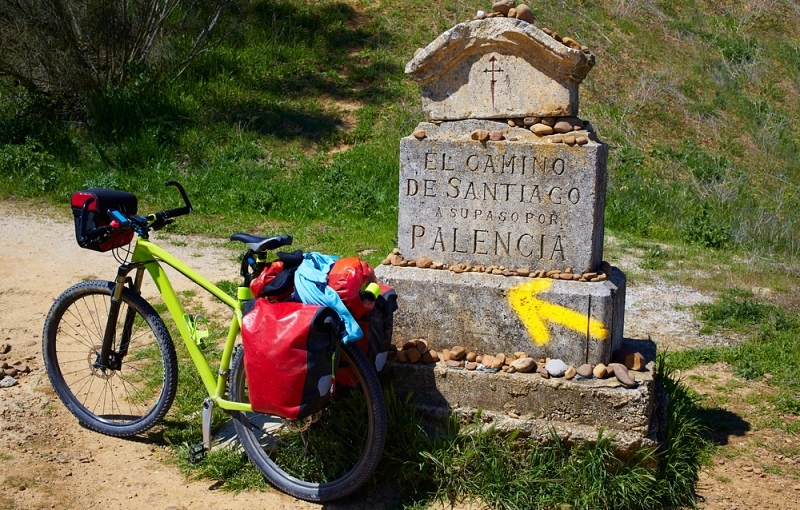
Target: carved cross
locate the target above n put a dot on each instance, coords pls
(493, 70)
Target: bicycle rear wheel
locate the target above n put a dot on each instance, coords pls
(339, 448)
(118, 402)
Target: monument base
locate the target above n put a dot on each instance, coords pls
(577, 322)
(577, 410)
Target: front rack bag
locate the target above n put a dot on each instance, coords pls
(103, 200)
(291, 352)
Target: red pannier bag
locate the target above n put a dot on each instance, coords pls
(291, 351)
(349, 277)
(102, 200)
(377, 329)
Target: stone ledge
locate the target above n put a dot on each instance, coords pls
(576, 410)
(472, 310)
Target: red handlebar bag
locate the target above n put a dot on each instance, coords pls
(348, 277)
(377, 329)
(291, 351)
(102, 200)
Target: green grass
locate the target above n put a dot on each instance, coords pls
(292, 123)
(773, 347)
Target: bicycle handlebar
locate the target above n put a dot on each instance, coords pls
(154, 221)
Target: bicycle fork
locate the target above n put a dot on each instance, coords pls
(109, 359)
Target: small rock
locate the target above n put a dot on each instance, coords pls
(445, 354)
(547, 31)
(523, 271)
(480, 15)
(500, 357)
(572, 43)
(513, 415)
(510, 369)
(413, 355)
(621, 373)
(511, 123)
(395, 259)
(479, 359)
(496, 271)
(524, 365)
(458, 353)
(600, 371)
(10, 372)
(410, 344)
(570, 373)
(543, 372)
(525, 14)
(471, 356)
(530, 121)
(512, 13)
(424, 262)
(495, 363)
(487, 360)
(7, 382)
(411, 263)
(422, 346)
(496, 136)
(549, 121)
(565, 276)
(420, 134)
(541, 129)
(556, 367)
(5, 347)
(454, 363)
(748, 469)
(481, 135)
(581, 140)
(471, 365)
(402, 356)
(403, 263)
(562, 127)
(569, 140)
(631, 359)
(504, 368)
(520, 354)
(430, 357)
(396, 251)
(503, 6)
(556, 36)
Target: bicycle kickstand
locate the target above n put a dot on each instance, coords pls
(197, 452)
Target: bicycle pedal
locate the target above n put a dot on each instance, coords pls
(197, 453)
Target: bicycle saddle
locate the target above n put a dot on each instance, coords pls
(262, 244)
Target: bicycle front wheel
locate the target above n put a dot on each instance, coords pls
(129, 398)
(326, 456)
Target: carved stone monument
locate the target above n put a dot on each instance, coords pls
(502, 183)
(501, 204)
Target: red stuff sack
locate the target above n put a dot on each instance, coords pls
(98, 202)
(377, 328)
(349, 277)
(291, 352)
(265, 277)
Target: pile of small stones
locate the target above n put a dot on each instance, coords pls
(457, 357)
(563, 128)
(506, 8)
(11, 371)
(396, 259)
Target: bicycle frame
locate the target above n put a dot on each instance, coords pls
(147, 255)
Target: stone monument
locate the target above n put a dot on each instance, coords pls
(504, 182)
(501, 204)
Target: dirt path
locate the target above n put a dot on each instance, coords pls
(48, 461)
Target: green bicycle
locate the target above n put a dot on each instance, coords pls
(111, 360)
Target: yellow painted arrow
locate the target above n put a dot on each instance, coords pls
(535, 312)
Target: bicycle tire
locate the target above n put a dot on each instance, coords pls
(341, 449)
(118, 403)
